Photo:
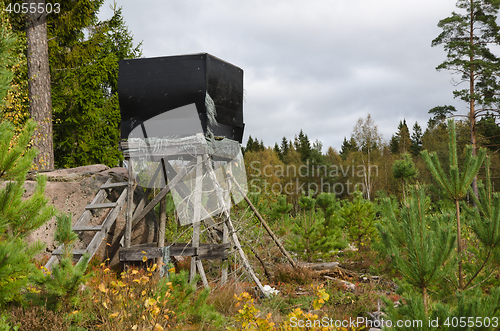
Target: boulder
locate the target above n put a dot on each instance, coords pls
(71, 190)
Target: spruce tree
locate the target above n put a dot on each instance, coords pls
(416, 139)
(455, 185)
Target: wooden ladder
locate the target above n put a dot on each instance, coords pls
(100, 230)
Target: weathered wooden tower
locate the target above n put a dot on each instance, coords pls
(181, 128)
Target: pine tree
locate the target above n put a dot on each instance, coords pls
(310, 236)
(455, 186)
(60, 286)
(18, 216)
(359, 217)
(420, 245)
(468, 39)
(405, 170)
(281, 209)
(485, 223)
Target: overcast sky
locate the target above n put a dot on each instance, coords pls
(314, 65)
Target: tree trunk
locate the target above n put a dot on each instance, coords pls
(39, 86)
(459, 248)
(472, 102)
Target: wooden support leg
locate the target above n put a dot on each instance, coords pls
(163, 216)
(225, 263)
(232, 232)
(130, 204)
(195, 263)
(225, 231)
(264, 223)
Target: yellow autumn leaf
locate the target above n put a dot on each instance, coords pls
(105, 305)
(134, 272)
(158, 327)
(144, 258)
(114, 315)
(102, 288)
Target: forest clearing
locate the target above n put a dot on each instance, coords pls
(130, 201)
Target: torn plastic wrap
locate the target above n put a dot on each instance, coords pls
(147, 148)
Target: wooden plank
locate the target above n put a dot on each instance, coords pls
(101, 205)
(106, 225)
(149, 189)
(130, 199)
(131, 254)
(204, 252)
(60, 251)
(157, 199)
(199, 266)
(232, 232)
(113, 185)
(87, 228)
(196, 216)
(82, 221)
(264, 223)
(99, 198)
(163, 219)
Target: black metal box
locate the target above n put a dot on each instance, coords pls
(151, 86)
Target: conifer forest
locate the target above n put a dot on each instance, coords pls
(391, 233)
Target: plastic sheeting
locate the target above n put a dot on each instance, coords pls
(177, 138)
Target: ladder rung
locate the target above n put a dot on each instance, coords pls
(75, 251)
(88, 228)
(112, 185)
(101, 205)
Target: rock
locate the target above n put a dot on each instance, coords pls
(71, 190)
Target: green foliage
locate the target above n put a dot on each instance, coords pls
(60, 287)
(485, 222)
(420, 244)
(467, 38)
(281, 209)
(359, 218)
(311, 236)
(456, 185)
(18, 216)
(471, 310)
(7, 41)
(404, 170)
(191, 303)
(85, 82)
